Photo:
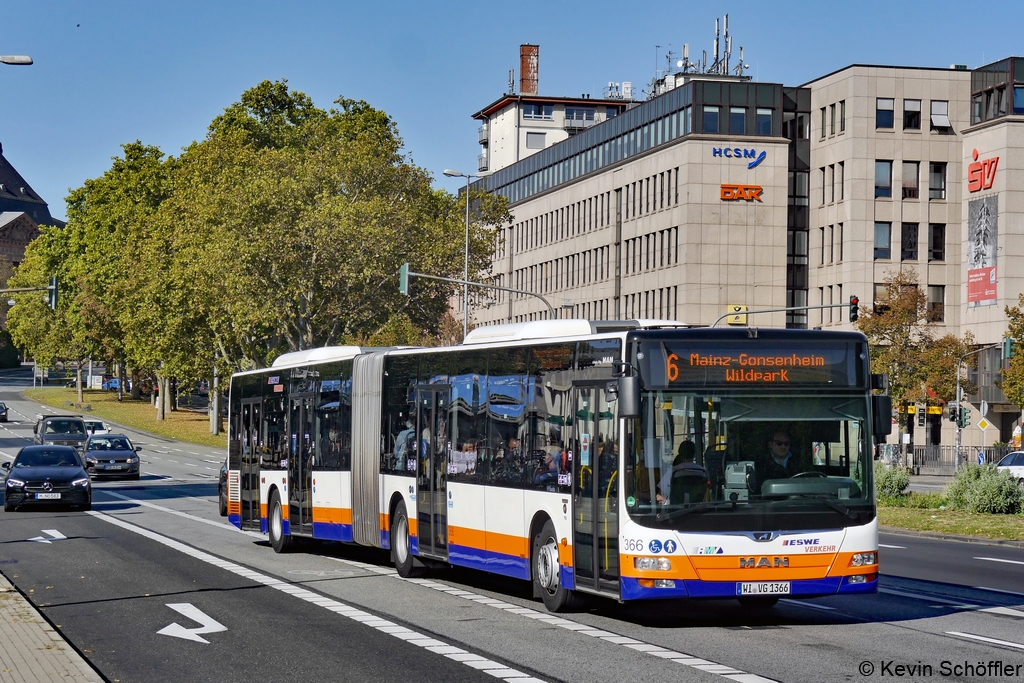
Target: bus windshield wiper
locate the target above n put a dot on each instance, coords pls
(824, 497)
(699, 508)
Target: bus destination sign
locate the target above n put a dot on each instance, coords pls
(670, 364)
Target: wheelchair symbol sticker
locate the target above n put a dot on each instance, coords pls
(655, 546)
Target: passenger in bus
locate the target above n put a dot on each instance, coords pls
(780, 462)
(683, 467)
(547, 473)
(405, 443)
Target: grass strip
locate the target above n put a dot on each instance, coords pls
(182, 425)
(1006, 527)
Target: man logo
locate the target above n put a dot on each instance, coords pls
(762, 562)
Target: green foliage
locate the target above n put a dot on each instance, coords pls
(1012, 381)
(983, 488)
(890, 481)
(903, 345)
(9, 355)
(282, 230)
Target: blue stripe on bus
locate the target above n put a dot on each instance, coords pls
(631, 590)
(414, 545)
(235, 520)
(385, 539)
(329, 531)
(567, 577)
(264, 527)
(498, 563)
(286, 528)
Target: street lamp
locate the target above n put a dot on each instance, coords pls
(465, 273)
(16, 60)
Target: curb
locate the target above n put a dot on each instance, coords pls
(938, 535)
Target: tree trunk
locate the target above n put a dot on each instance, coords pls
(168, 399)
(213, 399)
(158, 397)
(78, 382)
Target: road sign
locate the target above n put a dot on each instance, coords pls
(984, 424)
(984, 408)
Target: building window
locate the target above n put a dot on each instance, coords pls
(831, 182)
(580, 113)
(839, 242)
(831, 119)
(911, 114)
(883, 179)
(1018, 100)
(908, 242)
(821, 245)
(544, 112)
(764, 121)
(831, 243)
(823, 123)
(880, 300)
(535, 140)
(910, 169)
(841, 169)
(822, 174)
(883, 240)
(936, 303)
(940, 116)
(937, 180)
(737, 120)
(936, 242)
(883, 112)
(710, 119)
(842, 115)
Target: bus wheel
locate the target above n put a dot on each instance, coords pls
(547, 572)
(759, 602)
(400, 551)
(278, 540)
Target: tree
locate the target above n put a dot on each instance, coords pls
(1012, 382)
(921, 366)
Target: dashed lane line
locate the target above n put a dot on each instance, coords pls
(999, 559)
(428, 643)
(898, 547)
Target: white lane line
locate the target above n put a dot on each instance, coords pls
(900, 547)
(999, 590)
(994, 641)
(215, 462)
(161, 508)
(383, 625)
(174, 461)
(192, 453)
(802, 603)
(189, 464)
(999, 559)
(208, 468)
(555, 620)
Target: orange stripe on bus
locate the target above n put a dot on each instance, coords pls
(681, 568)
(506, 544)
(332, 515)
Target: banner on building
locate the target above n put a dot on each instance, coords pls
(982, 244)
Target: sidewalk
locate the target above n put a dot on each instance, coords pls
(32, 650)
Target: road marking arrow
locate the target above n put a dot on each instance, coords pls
(52, 533)
(195, 614)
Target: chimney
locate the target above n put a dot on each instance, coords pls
(529, 65)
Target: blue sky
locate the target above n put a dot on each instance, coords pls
(111, 72)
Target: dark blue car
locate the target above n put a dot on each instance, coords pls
(46, 475)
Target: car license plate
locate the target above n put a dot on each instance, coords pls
(113, 467)
(47, 496)
(763, 588)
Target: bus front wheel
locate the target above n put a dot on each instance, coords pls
(278, 540)
(547, 579)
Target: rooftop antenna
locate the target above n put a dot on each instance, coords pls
(511, 81)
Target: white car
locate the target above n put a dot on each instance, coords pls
(1014, 463)
(96, 427)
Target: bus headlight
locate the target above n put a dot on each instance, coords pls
(661, 564)
(862, 559)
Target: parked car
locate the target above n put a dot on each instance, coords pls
(114, 383)
(3, 412)
(46, 475)
(1014, 464)
(112, 455)
(95, 427)
(222, 490)
(61, 430)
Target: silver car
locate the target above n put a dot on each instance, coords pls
(111, 455)
(61, 430)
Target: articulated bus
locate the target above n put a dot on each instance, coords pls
(626, 459)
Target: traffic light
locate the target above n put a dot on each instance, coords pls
(51, 294)
(965, 418)
(1009, 347)
(403, 279)
(953, 413)
(854, 309)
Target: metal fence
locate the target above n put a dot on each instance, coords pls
(943, 460)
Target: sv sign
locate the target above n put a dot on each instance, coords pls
(981, 174)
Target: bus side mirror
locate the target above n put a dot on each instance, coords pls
(629, 396)
(881, 416)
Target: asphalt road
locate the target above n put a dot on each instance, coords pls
(107, 579)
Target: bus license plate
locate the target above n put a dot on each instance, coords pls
(47, 496)
(764, 588)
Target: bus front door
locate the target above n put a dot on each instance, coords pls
(595, 489)
(249, 435)
(300, 465)
(431, 478)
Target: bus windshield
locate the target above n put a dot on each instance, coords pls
(707, 460)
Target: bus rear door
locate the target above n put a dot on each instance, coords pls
(431, 479)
